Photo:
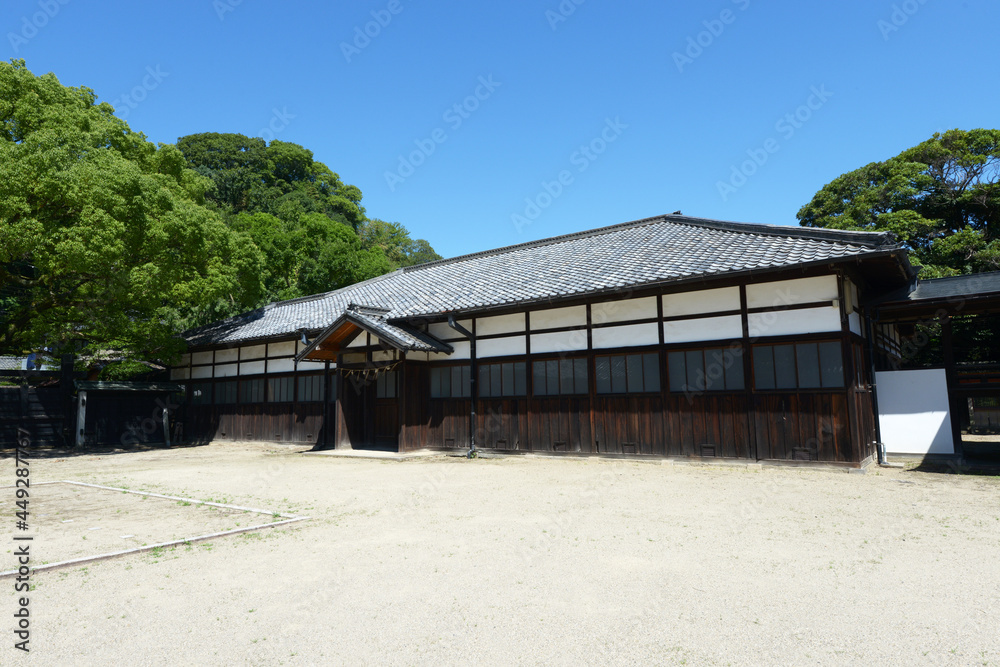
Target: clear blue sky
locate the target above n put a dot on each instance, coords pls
(678, 131)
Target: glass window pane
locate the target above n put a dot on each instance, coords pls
(619, 379)
(633, 363)
(435, 383)
(831, 365)
(496, 381)
(715, 369)
(677, 371)
(520, 379)
(456, 381)
(466, 381)
(784, 367)
(565, 376)
(380, 385)
(651, 372)
(445, 382)
(695, 361)
(580, 376)
(763, 367)
(552, 377)
(734, 370)
(538, 379)
(602, 370)
(484, 381)
(508, 379)
(807, 360)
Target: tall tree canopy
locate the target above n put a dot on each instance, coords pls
(111, 243)
(942, 198)
(281, 178)
(104, 240)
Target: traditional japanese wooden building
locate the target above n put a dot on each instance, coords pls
(667, 337)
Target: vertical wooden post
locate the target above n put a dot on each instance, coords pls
(855, 432)
(81, 417)
(66, 388)
(951, 379)
(751, 407)
(592, 382)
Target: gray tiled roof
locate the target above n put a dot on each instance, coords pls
(11, 363)
(952, 287)
(651, 251)
(404, 337)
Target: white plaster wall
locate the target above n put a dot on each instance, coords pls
(787, 322)
(623, 310)
(417, 356)
(361, 340)
(226, 370)
(501, 324)
(226, 356)
(199, 372)
(313, 365)
(442, 331)
(631, 335)
(180, 373)
(701, 302)
(252, 352)
(281, 366)
(382, 355)
(252, 368)
(574, 316)
(786, 292)
(185, 360)
(284, 349)
(565, 341)
(913, 411)
(202, 357)
(463, 350)
(501, 347)
(707, 328)
(855, 321)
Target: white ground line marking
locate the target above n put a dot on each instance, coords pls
(288, 518)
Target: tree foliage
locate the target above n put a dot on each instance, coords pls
(104, 239)
(942, 198)
(111, 243)
(281, 179)
(394, 240)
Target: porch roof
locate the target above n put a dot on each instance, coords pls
(357, 318)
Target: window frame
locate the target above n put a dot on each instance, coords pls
(465, 378)
(643, 367)
(820, 360)
(574, 362)
(734, 348)
(496, 373)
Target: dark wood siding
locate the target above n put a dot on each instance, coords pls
(803, 426)
(629, 425)
(708, 425)
(272, 422)
(560, 424)
(502, 424)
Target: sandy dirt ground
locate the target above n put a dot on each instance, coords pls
(525, 561)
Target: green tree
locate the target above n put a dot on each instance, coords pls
(394, 240)
(942, 198)
(281, 178)
(105, 242)
(333, 256)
